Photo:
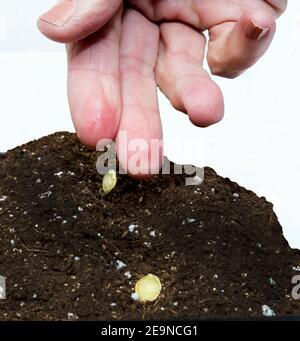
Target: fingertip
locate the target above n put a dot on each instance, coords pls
(54, 33)
(237, 46)
(73, 20)
(204, 104)
(258, 25)
(137, 167)
(93, 126)
(139, 157)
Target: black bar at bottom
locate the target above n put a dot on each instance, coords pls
(96, 330)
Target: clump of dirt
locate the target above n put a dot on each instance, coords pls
(68, 252)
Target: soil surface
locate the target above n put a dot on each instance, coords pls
(217, 248)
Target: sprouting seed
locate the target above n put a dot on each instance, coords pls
(109, 181)
(148, 288)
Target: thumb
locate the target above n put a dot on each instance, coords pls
(72, 20)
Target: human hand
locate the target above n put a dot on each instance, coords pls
(115, 61)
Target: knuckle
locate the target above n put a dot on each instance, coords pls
(221, 69)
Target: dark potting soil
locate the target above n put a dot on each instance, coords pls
(217, 248)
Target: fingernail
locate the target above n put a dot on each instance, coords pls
(60, 13)
(255, 32)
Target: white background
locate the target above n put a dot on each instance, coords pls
(256, 145)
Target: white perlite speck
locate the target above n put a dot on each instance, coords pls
(272, 282)
(45, 195)
(80, 209)
(120, 265)
(135, 296)
(2, 288)
(267, 311)
(133, 228)
(127, 274)
(296, 268)
(153, 233)
(71, 316)
(188, 221)
(1, 293)
(3, 198)
(59, 174)
(236, 195)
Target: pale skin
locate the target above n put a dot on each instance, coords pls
(117, 56)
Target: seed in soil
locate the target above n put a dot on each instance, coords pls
(109, 181)
(148, 288)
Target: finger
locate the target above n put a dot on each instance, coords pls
(180, 75)
(71, 20)
(234, 47)
(94, 85)
(140, 120)
(278, 5)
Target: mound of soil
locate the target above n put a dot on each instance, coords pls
(67, 252)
